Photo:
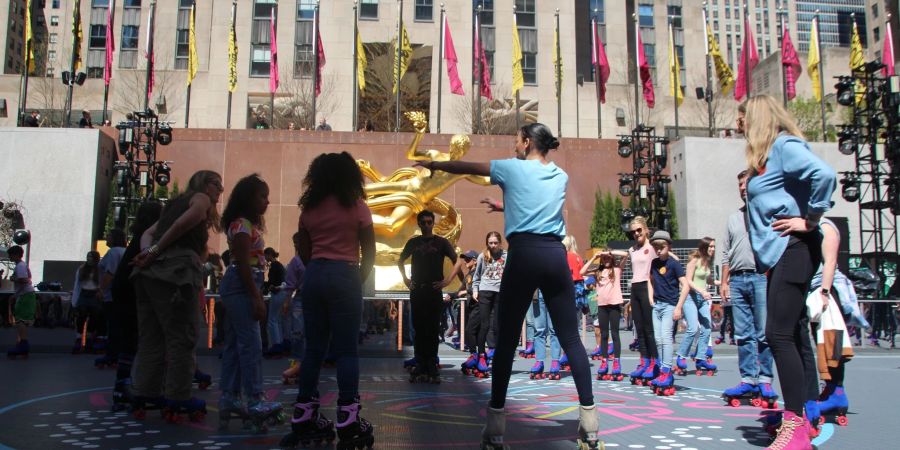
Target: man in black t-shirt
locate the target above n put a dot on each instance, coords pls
(427, 252)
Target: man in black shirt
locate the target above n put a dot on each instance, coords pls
(427, 252)
(33, 120)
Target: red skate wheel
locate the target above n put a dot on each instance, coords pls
(773, 405)
(140, 414)
(699, 373)
(670, 391)
(842, 421)
(734, 402)
(599, 377)
(709, 374)
(755, 402)
(821, 420)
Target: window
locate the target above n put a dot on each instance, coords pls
(424, 10)
(132, 3)
(131, 25)
(874, 10)
(487, 31)
(100, 3)
(645, 15)
(598, 10)
(876, 33)
(303, 47)
(51, 55)
(55, 4)
(260, 52)
(98, 37)
(306, 9)
(185, 3)
(129, 37)
(368, 9)
(54, 21)
(50, 72)
(727, 13)
(527, 23)
(182, 35)
(54, 38)
(674, 12)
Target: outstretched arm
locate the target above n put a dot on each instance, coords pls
(457, 167)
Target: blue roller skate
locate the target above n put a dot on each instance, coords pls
(231, 407)
(650, 372)
(122, 397)
(554, 371)
(489, 356)
(680, 366)
(664, 384)
(611, 349)
(834, 403)
(140, 405)
(528, 352)
(734, 395)
(193, 408)
(596, 354)
(705, 368)
(768, 399)
(482, 369)
(615, 374)
(537, 371)
(203, 380)
(602, 370)
(633, 346)
(813, 417)
(410, 364)
(635, 374)
(564, 362)
(263, 414)
(468, 367)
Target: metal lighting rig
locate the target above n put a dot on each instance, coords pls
(873, 138)
(139, 172)
(646, 185)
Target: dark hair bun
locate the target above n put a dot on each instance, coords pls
(553, 144)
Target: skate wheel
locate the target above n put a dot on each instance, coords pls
(140, 414)
(734, 402)
(773, 405)
(755, 402)
(709, 374)
(670, 391)
(203, 385)
(842, 421)
(821, 421)
(600, 378)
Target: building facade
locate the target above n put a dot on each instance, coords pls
(581, 116)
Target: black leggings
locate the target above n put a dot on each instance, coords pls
(537, 262)
(608, 316)
(642, 313)
(487, 310)
(427, 305)
(787, 329)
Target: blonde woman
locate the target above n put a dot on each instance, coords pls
(788, 191)
(641, 255)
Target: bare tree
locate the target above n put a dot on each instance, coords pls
(47, 94)
(169, 84)
(296, 106)
(498, 116)
(724, 109)
(621, 73)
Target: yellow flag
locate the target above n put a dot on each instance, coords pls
(29, 45)
(192, 47)
(812, 60)
(405, 56)
(557, 64)
(723, 70)
(518, 80)
(232, 54)
(361, 63)
(674, 70)
(78, 36)
(857, 60)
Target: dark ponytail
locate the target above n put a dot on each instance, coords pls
(540, 136)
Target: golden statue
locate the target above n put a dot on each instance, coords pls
(397, 198)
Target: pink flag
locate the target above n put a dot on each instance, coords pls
(456, 86)
(149, 54)
(273, 61)
(601, 64)
(747, 63)
(320, 54)
(484, 79)
(791, 63)
(887, 53)
(646, 79)
(110, 44)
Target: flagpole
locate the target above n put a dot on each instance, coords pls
(24, 94)
(399, 62)
(315, 81)
(748, 81)
(480, 70)
(112, 13)
(677, 85)
(272, 93)
(149, 55)
(709, 87)
(784, 31)
(637, 70)
(595, 29)
(233, 19)
(187, 104)
(441, 38)
(355, 64)
(71, 84)
(558, 80)
(516, 97)
(821, 82)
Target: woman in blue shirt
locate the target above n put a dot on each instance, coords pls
(788, 192)
(534, 191)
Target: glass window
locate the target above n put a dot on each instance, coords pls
(50, 72)
(525, 16)
(645, 15)
(674, 11)
(425, 10)
(259, 38)
(132, 3)
(303, 49)
(54, 38)
(598, 10)
(874, 10)
(100, 3)
(263, 8)
(259, 60)
(51, 55)
(876, 33)
(527, 24)
(54, 21)
(55, 4)
(182, 35)
(368, 9)
(487, 11)
(185, 3)
(529, 68)
(97, 36)
(306, 9)
(129, 37)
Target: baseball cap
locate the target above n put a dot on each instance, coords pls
(471, 254)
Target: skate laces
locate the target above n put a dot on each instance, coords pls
(785, 432)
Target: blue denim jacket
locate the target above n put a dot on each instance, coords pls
(795, 183)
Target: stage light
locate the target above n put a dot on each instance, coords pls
(126, 137)
(848, 140)
(626, 184)
(164, 135)
(661, 153)
(845, 91)
(22, 237)
(850, 187)
(163, 173)
(625, 148)
(626, 217)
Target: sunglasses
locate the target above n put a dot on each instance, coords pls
(636, 232)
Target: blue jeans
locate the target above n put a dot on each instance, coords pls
(275, 321)
(529, 323)
(663, 329)
(748, 299)
(543, 329)
(298, 333)
(696, 314)
(242, 356)
(332, 310)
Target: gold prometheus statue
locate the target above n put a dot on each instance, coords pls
(396, 199)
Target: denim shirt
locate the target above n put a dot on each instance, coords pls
(794, 183)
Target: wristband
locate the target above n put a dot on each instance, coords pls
(153, 250)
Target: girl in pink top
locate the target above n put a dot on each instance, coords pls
(641, 255)
(609, 309)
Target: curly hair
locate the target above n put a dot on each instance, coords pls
(330, 174)
(242, 202)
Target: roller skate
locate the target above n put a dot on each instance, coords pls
(21, 349)
(596, 355)
(611, 349)
(482, 369)
(834, 404)
(290, 375)
(792, 434)
(615, 374)
(747, 391)
(537, 371)
(633, 346)
(105, 361)
(564, 362)
(650, 372)
(410, 364)
(705, 368)
(635, 374)
(308, 426)
(719, 340)
(193, 408)
(494, 428)
(680, 366)
(263, 413)
(553, 373)
(588, 425)
(664, 384)
(203, 380)
(80, 345)
(122, 398)
(528, 352)
(768, 399)
(489, 355)
(813, 417)
(353, 431)
(468, 367)
(99, 345)
(140, 405)
(709, 354)
(231, 407)
(602, 370)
